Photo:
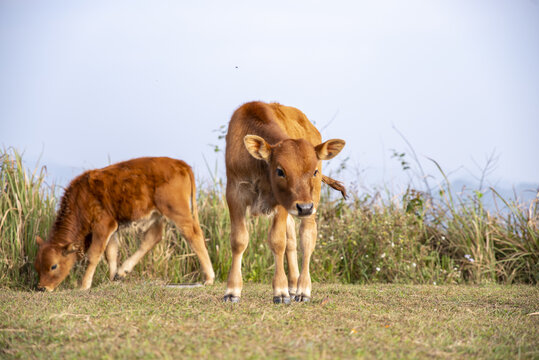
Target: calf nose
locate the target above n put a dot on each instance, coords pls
(40, 289)
(305, 209)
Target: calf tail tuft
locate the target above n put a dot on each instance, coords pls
(337, 185)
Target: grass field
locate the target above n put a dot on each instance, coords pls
(138, 319)
(407, 275)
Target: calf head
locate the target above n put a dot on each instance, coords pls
(53, 263)
(294, 169)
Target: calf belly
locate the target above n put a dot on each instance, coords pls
(141, 225)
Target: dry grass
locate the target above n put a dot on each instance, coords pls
(146, 320)
(407, 239)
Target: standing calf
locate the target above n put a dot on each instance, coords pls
(273, 166)
(140, 192)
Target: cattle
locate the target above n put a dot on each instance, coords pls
(274, 167)
(140, 193)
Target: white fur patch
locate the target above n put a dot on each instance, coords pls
(304, 292)
(281, 292)
(143, 224)
(233, 291)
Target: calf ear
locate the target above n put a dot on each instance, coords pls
(71, 248)
(257, 147)
(329, 149)
(39, 240)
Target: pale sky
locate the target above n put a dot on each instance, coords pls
(85, 82)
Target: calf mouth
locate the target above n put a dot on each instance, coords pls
(44, 288)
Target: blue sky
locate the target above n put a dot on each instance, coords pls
(86, 83)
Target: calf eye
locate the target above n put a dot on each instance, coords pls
(54, 266)
(279, 172)
(315, 172)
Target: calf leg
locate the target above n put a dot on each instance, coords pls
(100, 237)
(239, 239)
(307, 233)
(193, 234)
(277, 242)
(111, 254)
(291, 255)
(178, 203)
(149, 239)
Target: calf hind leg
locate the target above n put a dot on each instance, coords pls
(150, 238)
(111, 253)
(194, 236)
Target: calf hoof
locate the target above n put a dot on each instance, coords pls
(302, 298)
(231, 298)
(118, 278)
(281, 300)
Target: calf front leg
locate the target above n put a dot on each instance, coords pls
(100, 238)
(277, 242)
(307, 233)
(291, 256)
(239, 239)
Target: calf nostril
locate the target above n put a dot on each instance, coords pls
(41, 289)
(305, 209)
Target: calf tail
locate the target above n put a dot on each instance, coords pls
(337, 185)
(193, 200)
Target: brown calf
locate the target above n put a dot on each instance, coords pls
(273, 166)
(140, 192)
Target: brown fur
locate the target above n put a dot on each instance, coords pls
(139, 192)
(273, 165)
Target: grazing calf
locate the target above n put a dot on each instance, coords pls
(273, 166)
(140, 192)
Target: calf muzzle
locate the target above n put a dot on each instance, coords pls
(305, 209)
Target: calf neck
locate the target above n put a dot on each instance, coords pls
(274, 167)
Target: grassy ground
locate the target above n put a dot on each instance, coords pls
(410, 238)
(146, 320)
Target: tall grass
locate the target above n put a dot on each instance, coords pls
(381, 237)
(26, 210)
(501, 245)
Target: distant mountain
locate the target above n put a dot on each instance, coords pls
(523, 192)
